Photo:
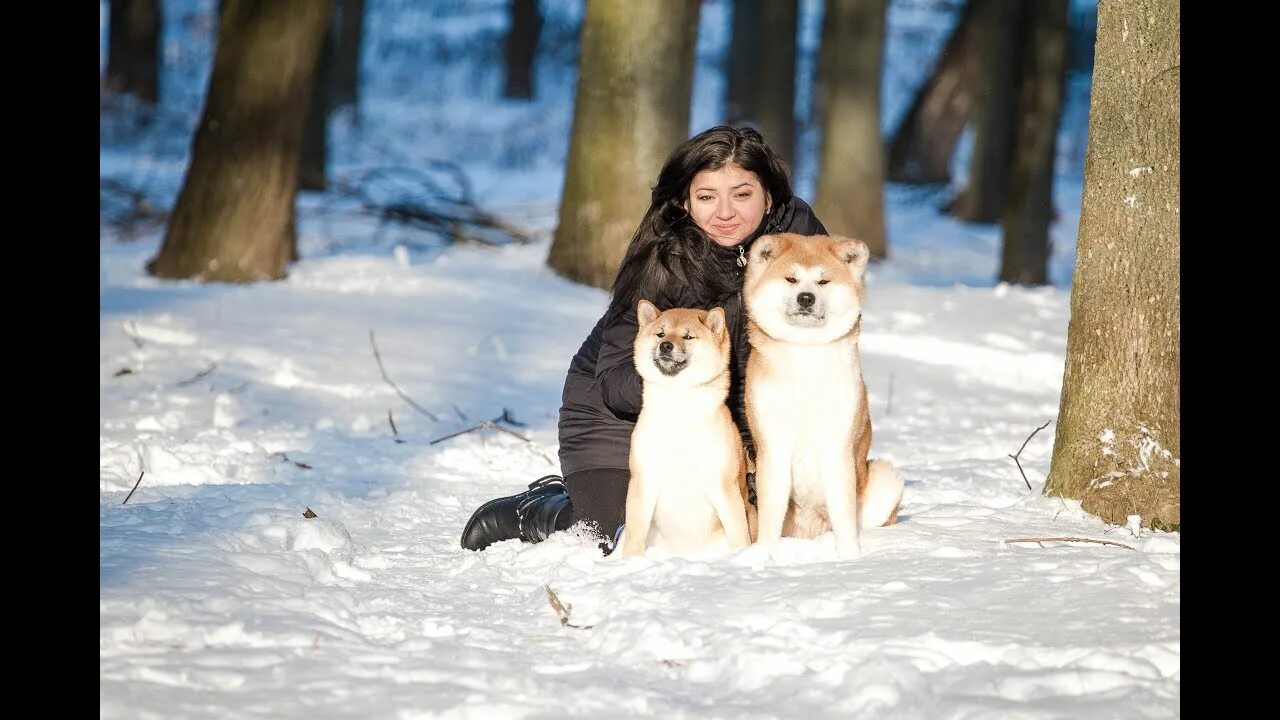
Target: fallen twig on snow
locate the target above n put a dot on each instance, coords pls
(1066, 539)
(137, 341)
(493, 425)
(378, 356)
(202, 373)
(395, 434)
(563, 610)
(284, 457)
(1024, 447)
(135, 487)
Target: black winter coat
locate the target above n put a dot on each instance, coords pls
(602, 392)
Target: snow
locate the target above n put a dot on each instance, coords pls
(219, 598)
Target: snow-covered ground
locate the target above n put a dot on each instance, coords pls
(247, 405)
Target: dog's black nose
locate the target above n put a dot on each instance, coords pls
(665, 346)
(805, 299)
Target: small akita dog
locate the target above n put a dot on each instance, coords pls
(688, 487)
(805, 399)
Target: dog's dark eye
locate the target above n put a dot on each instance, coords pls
(791, 280)
(823, 282)
(687, 336)
(661, 334)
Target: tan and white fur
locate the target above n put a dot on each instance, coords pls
(688, 488)
(805, 398)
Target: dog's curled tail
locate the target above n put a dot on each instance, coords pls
(883, 494)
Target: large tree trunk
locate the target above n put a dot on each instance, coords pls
(851, 168)
(630, 112)
(233, 218)
(314, 155)
(522, 48)
(345, 87)
(743, 63)
(762, 71)
(986, 195)
(927, 135)
(775, 95)
(1118, 437)
(1025, 259)
(133, 48)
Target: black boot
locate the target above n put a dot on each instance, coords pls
(530, 516)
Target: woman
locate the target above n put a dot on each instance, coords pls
(717, 192)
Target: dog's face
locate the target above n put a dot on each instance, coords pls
(682, 346)
(806, 290)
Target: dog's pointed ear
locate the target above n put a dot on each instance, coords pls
(853, 253)
(766, 248)
(645, 313)
(715, 321)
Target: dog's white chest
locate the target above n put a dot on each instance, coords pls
(684, 460)
(810, 393)
(805, 410)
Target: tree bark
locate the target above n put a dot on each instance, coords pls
(1118, 438)
(631, 110)
(743, 63)
(314, 156)
(233, 220)
(851, 170)
(775, 96)
(522, 48)
(134, 29)
(1025, 256)
(986, 194)
(345, 87)
(922, 146)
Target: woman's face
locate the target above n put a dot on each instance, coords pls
(727, 204)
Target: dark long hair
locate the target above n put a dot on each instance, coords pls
(668, 246)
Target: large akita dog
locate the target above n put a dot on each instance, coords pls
(688, 485)
(805, 399)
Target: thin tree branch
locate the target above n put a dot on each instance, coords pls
(377, 356)
(1066, 539)
(1024, 447)
(202, 373)
(135, 487)
(137, 341)
(394, 433)
(490, 425)
(562, 610)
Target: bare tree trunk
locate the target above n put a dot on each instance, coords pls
(313, 159)
(1025, 259)
(346, 65)
(1007, 25)
(522, 48)
(630, 112)
(744, 62)
(762, 71)
(851, 170)
(775, 95)
(1118, 437)
(133, 48)
(233, 218)
(925, 140)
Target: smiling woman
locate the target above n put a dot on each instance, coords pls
(717, 192)
(727, 204)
